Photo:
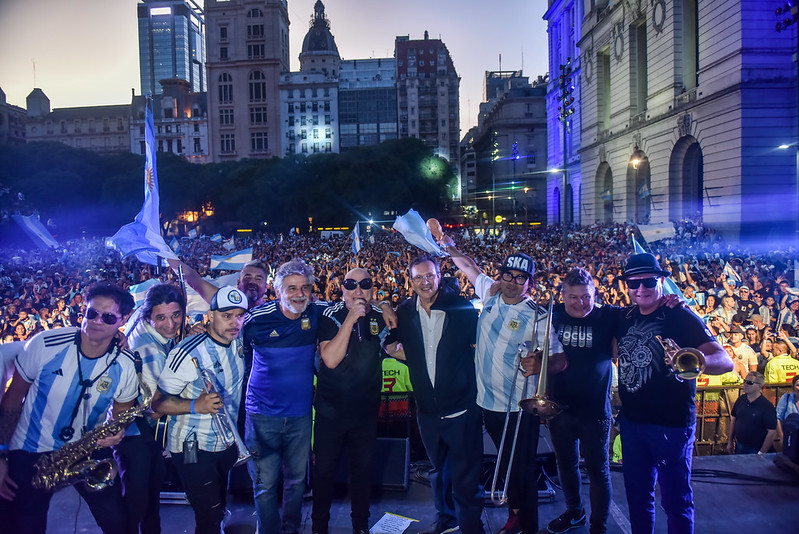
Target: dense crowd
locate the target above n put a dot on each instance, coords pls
(44, 289)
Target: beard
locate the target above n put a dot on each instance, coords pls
(295, 305)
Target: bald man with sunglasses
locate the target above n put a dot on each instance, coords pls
(348, 388)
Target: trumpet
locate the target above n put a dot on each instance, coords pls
(686, 364)
(539, 404)
(223, 424)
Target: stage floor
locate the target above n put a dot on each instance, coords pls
(726, 499)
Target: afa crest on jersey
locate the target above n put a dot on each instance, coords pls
(373, 328)
(514, 324)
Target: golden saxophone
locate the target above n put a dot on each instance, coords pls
(72, 463)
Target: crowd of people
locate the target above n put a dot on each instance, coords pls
(308, 306)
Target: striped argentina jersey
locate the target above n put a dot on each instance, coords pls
(500, 329)
(181, 378)
(152, 348)
(49, 363)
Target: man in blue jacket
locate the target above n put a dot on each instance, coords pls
(436, 337)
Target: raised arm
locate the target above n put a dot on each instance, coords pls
(463, 262)
(206, 289)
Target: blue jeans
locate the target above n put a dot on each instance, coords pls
(568, 432)
(662, 454)
(278, 444)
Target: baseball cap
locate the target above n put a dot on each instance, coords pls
(228, 298)
(519, 262)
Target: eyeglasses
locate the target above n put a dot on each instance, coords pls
(519, 278)
(351, 284)
(419, 278)
(750, 383)
(108, 318)
(648, 282)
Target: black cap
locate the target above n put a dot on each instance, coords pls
(519, 262)
(644, 263)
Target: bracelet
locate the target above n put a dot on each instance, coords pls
(191, 406)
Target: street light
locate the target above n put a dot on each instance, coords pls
(635, 163)
(566, 98)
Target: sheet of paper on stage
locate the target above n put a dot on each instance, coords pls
(392, 524)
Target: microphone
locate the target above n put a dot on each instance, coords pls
(360, 328)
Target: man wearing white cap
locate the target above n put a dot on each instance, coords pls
(200, 455)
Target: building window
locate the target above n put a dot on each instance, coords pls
(258, 115)
(197, 148)
(327, 105)
(160, 145)
(328, 133)
(168, 128)
(196, 128)
(225, 88)
(315, 148)
(303, 107)
(258, 142)
(226, 117)
(255, 31)
(169, 113)
(328, 147)
(142, 147)
(255, 13)
(303, 120)
(223, 33)
(327, 119)
(291, 107)
(120, 126)
(257, 86)
(315, 106)
(228, 145)
(222, 53)
(316, 120)
(305, 148)
(255, 51)
(316, 133)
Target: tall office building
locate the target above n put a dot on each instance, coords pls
(428, 90)
(367, 101)
(248, 50)
(171, 44)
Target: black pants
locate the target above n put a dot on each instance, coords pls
(141, 466)
(205, 484)
(331, 436)
(455, 449)
(523, 485)
(27, 513)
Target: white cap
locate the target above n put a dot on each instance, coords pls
(228, 298)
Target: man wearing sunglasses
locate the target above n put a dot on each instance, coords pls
(507, 320)
(347, 399)
(753, 422)
(69, 379)
(658, 415)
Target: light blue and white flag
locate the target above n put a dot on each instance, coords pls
(669, 286)
(139, 291)
(232, 262)
(216, 238)
(195, 304)
(143, 237)
(356, 239)
(733, 278)
(34, 229)
(416, 232)
(656, 232)
(229, 244)
(192, 233)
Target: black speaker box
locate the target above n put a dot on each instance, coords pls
(390, 466)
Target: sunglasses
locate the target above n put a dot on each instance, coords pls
(108, 318)
(648, 282)
(519, 278)
(351, 284)
(749, 382)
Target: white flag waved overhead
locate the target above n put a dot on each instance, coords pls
(232, 262)
(415, 230)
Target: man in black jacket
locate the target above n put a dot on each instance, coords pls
(436, 337)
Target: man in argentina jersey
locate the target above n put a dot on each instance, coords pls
(69, 378)
(181, 392)
(139, 455)
(279, 395)
(507, 320)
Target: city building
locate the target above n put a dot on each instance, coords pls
(309, 98)
(247, 50)
(103, 129)
(504, 158)
(12, 123)
(180, 118)
(171, 44)
(685, 107)
(428, 91)
(367, 101)
(564, 22)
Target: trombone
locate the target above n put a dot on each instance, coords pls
(540, 404)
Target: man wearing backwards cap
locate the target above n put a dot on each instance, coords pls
(200, 455)
(658, 414)
(507, 320)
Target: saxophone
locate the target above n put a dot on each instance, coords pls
(72, 463)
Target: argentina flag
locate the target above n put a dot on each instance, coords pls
(143, 237)
(356, 239)
(34, 229)
(232, 262)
